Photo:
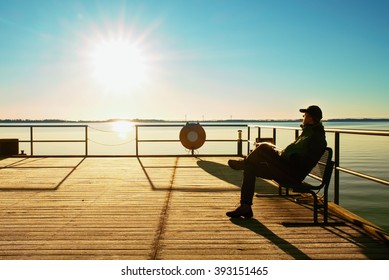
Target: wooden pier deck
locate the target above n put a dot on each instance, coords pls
(156, 208)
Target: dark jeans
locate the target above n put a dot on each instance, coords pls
(264, 162)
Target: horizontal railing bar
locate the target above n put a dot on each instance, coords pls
(331, 130)
(271, 127)
(153, 141)
(124, 156)
(210, 140)
(225, 140)
(187, 155)
(16, 126)
(359, 132)
(364, 176)
(181, 125)
(53, 141)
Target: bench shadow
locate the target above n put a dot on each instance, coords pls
(260, 229)
(221, 171)
(225, 173)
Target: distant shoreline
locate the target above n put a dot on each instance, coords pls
(204, 121)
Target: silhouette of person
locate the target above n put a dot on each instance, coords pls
(291, 165)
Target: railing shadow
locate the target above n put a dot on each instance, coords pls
(18, 165)
(372, 250)
(13, 163)
(260, 229)
(232, 180)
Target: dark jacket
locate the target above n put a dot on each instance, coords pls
(304, 153)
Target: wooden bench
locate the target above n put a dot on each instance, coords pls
(322, 174)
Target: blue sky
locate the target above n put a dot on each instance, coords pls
(217, 59)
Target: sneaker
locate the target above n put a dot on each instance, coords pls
(236, 164)
(243, 210)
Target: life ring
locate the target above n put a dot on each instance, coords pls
(192, 136)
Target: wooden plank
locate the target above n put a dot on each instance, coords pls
(197, 222)
(155, 208)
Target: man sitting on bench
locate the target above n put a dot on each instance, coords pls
(290, 165)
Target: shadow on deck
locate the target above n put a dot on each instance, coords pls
(156, 208)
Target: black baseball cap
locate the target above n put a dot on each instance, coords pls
(314, 111)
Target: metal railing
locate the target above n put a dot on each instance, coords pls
(139, 140)
(32, 140)
(337, 152)
(249, 129)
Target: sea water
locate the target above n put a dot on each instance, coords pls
(366, 154)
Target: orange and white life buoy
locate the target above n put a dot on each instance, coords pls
(192, 136)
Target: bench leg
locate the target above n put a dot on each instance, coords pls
(315, 206)
(325, 207)
(280, 191)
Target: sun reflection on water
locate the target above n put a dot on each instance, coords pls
(122, 128)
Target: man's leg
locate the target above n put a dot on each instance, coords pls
(257, 156)
(263, 162)
(252, 166)
(248, 185)
(269, 165)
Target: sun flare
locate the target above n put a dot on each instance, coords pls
(118, 64)
(122, 128)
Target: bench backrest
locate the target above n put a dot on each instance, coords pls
(323, 169)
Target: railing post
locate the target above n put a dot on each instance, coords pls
(31, 141)
(86, 140)
(296, 134)
(259, 132)
(248, 139)
(337, 163)
(136, 141)
(274, 136)
(239, 142)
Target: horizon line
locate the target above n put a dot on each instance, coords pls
(188, 121)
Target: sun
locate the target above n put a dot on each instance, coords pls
(118, 64)
(122, 128)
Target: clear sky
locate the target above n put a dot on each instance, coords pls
(200, 59)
